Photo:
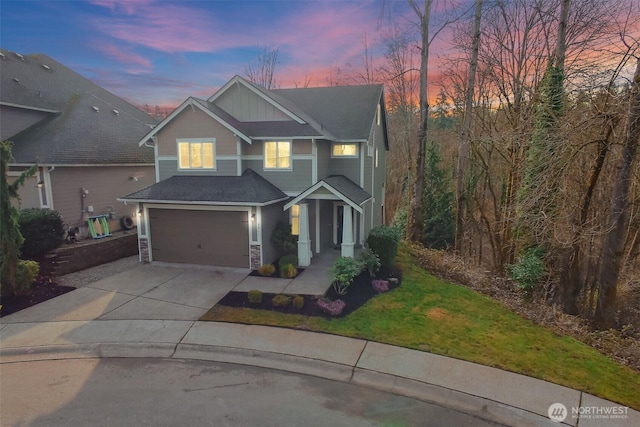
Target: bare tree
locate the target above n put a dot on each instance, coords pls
(262, 71)
(463, 155)
(613, 247)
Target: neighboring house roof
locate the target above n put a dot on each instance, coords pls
(249, 189)
(337, 113)
(341, 187)
(85, 123)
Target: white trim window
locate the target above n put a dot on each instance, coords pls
(344, 150)
(295, 220)
(277, 155)
(197, 153)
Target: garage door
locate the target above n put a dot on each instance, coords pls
(200, 237)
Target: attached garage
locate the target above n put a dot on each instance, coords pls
(200, 237)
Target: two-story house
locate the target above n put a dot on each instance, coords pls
(230, 167)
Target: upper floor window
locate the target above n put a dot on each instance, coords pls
(196, 153)
(277, 155)
(344, 150)
(379, 115)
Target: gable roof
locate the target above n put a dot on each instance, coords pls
(336, 113)
(249, 189)
(341, 187)
(84, 124)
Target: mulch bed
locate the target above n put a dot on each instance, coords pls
(42, 290)
(359, 292)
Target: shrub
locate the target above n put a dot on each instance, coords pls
(343, 272)
(288, 259)
(26, 274)
(380, 285)
(334, 308)
(529, 270)
(280, 301)
(282, 238)
(288, 271)
(42, 230)
(267, 270)
(254, 296)
(383, 241)
(370, 261)
(298, 302)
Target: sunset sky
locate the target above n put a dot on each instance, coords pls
(160, 52)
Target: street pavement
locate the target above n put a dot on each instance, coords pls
(152, 311)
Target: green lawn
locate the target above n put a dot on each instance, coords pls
(429, 314)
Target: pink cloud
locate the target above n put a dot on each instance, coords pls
(128, 57)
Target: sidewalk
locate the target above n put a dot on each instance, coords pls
(486, 392)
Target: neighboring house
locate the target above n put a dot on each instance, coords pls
(230, 167)
(83, 138)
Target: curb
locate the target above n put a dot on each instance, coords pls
(456, 400)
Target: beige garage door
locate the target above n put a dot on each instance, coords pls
(200, 237)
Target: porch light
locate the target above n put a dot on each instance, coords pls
(40, 184)
(253, 217)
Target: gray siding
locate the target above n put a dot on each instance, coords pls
(169, 168)
(270, 216)
(298, 179)
(324, 157)
(105, 185)
(379, 175)
(247, 106)
(348, 167)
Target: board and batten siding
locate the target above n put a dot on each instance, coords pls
(246, 106)
(194, 123)
(270, 216)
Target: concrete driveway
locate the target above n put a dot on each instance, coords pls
(150, 291)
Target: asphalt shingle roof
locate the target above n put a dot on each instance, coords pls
(249, 188)
(75, 133)
(348, 188)
(346, 112)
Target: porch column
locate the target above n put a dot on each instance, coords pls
(346, 248)
(304, 245)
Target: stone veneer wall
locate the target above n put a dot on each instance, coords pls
(144, 249)
(255, 257)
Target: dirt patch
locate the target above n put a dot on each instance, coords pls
(437, 313)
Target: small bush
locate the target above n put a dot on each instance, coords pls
(280, 301)
(282, 238)
(26, 274)
(42, 230)
(383, 241)
(380, 285)
(298, 302)
(343, 272)
(370, 261)
(254, 296)
(334, 308)
(529, 270)
(267, 270)
(288, 259)
(288, 271)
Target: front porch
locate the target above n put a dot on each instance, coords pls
(315, 280)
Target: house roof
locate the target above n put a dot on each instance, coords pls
(336, 113)
(85, 123)
(347, 112)
(341, 187)
(248, 189)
